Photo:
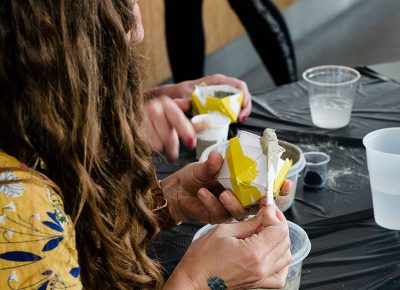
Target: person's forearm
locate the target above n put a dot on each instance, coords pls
(177, 282)
(180, 280)
(180, 90)
(164, 90)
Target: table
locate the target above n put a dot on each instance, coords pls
(349, 251)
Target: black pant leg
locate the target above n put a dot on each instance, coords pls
(270, 36)
(185, 38)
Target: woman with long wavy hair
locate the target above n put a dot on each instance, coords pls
(78, 197)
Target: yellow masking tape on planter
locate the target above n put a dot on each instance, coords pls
(205, 100)
(280, 178)
(244, 170)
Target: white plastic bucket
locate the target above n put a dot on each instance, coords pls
(383, 158)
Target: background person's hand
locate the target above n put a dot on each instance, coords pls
(249, 254)
(165, 123)
(193, 193)
(182, 92)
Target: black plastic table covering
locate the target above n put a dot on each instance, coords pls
(376, 105)
(349, 251)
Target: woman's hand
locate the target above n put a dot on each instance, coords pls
(249, 254)
(182, 92)
(165, 121)
(193, 193)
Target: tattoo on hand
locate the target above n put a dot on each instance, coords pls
(216, 283)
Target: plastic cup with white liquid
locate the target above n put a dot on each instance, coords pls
(331, 91)
(216, 133)
(383, 158)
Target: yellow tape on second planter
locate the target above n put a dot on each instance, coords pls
(280, 178)
(243, 170)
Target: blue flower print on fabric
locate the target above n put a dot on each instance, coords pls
(75, 272)
(20, 256)
(53, 226)
(52, 244)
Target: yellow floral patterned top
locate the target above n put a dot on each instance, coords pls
(37, 239)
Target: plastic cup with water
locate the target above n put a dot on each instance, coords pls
(383, 158)
(331, 91)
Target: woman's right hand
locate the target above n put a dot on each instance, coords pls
(249, 254)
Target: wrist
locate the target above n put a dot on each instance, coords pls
(156, 92)
(181, 279)
(170, 190)
(149, 94)
(162, 209)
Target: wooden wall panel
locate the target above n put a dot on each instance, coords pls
(216, 13)
(154, 44)
(282, 4)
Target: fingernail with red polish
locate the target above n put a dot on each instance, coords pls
(191, 142)
(243, 118)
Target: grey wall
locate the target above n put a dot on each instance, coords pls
(302, 18)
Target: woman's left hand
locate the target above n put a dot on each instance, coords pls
(193, 193)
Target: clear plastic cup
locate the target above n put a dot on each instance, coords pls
(331, 91)
(316, 168)
(383, 158)
(216, 133)
(300, 248)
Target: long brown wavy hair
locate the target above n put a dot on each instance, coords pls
(70, 94)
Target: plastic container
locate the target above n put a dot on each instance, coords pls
(331, 91)
(316, 168)
(300, 248)
(216, 133)
(292, 152)
(383, 158)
